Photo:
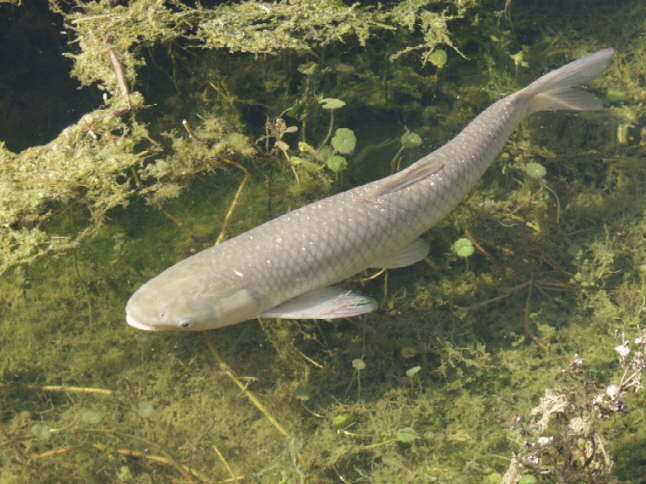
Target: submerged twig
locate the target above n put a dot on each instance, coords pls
(64, 389)
(94, 17)
(52, 453)
(234, 202)
(166, 214)
(372, 277)
(329, 130)
(121, 78)
(226, 465)
(157, 459)
(498, 298)
(252, 398)
(309, 360)
(473, 240)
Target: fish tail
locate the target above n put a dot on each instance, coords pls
(555, 90)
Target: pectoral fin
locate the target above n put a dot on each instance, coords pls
(409, 255)
(324, 303)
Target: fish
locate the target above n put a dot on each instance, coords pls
(289, 267)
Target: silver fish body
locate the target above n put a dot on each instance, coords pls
(281, 268)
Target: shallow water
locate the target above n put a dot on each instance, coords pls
(437, 385)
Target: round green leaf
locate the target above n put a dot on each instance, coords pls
(40, 431)
(410, 140)
(493, 478)
(331, 103)
(308, 68)
(145, 409)
(407, 435)
(463, 248)
(341, 420)
(323, 153)
(344, 141)
(336, 163)
(527, 479)
(438, 58)
(535, 170)
(358, 364)
(91, 417)
(411, 372)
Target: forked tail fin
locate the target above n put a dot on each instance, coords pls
(555, 90)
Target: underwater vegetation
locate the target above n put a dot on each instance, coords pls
(514, 354)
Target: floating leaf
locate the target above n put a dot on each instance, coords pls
(463, 248)
(145, 409)
(331, 103)
(358, 364)
(91, 417)
(407, 435)
(40, 431)
(410, 140)
(438, 58)
(344, 68)
(341, 420)
(411, 372)
(324, 153)
(125, 474)
(408, 352)
(535, 170)
(527, 479)
(308, 68)
(336, 163)
(344, 141)
(519, 59)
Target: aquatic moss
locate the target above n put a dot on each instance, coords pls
(261, 28)
(489, 338)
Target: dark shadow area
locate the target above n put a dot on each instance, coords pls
(37, 96)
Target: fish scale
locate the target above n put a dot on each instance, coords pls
(284, 266)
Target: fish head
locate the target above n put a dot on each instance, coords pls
(190, 300)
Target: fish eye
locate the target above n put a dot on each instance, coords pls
(185, 323)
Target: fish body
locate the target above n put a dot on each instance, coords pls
(287, 267)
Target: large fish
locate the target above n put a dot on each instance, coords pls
(286, 267)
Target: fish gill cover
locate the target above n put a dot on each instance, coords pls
(516, 360)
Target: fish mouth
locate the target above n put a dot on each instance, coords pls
(136, 324)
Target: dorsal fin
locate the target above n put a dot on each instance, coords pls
(419, 171)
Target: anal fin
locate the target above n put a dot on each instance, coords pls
(408, 256)
(324, 303)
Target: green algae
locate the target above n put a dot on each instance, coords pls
(558, 277)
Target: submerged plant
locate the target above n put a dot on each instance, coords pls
(564, 436)
(310, 161)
